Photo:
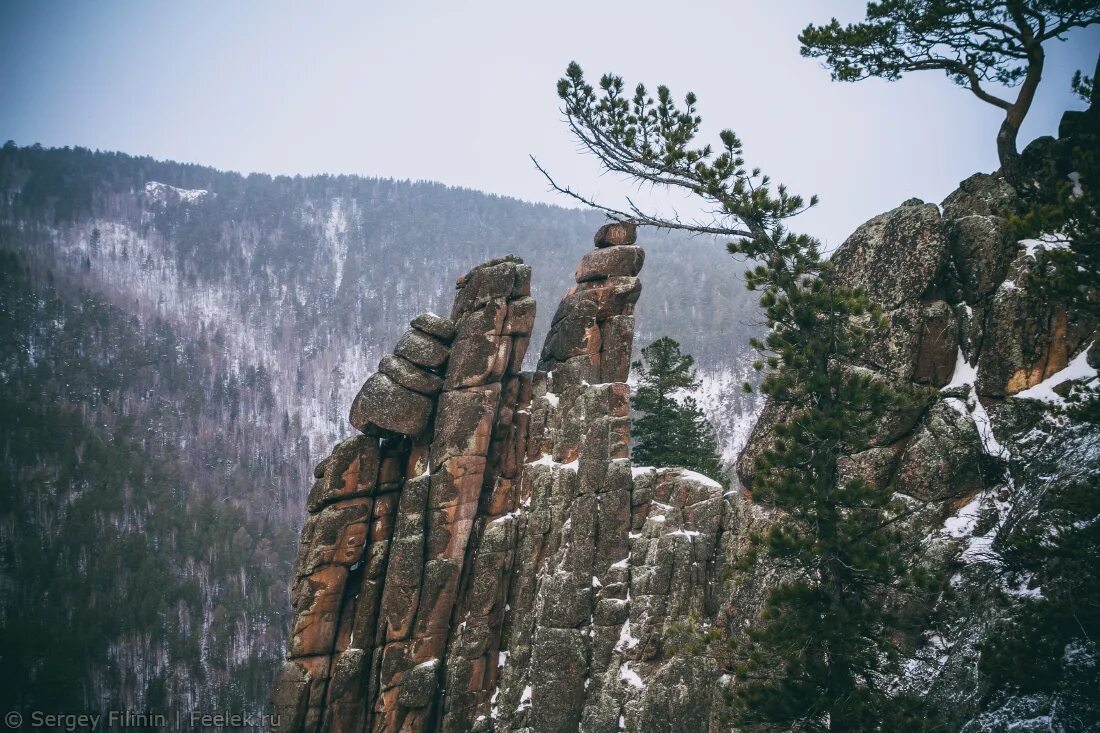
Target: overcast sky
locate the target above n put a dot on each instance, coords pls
(462, 91)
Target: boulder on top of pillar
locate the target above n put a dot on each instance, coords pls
(616, 233)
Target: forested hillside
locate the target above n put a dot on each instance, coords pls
(181, 345)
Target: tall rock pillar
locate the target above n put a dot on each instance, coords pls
(485, 557)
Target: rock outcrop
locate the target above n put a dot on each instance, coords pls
(484, 556)
(976, 458)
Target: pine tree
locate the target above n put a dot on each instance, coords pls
(818, 657)
(671, 430)
(974, 42)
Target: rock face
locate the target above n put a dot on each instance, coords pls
(980, 453)
(485, 557)
(398, 398)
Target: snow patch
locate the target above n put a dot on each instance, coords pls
(547, 460)
(965, 375)
(627, 640)
(1023, 591)
(963, 522)
(630, 677)
(1077, 370)
(700, 478)
(1075, 179)
(163, 193)
(1045, 241)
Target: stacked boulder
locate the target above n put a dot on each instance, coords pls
(400, 397)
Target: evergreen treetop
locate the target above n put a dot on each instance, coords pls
(671, 429)
(975, 42)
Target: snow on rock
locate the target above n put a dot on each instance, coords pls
(1021, 590)
(962, 523)
(165, 194)
(964, 376)
(1075, 178)
(630, 677)
(1077, 370)
(627, 640)
(1045, 241)
(700, 478)
(547, 460)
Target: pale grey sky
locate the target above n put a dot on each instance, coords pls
(462, 91)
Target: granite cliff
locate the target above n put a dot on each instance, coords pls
(484, 556)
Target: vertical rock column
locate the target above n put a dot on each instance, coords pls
(592, 333)
(492, 315)
(344, 552)
(343, 547)
(568, 587)
(472, 655)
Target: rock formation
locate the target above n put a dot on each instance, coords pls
(981, 454)
(485, 557)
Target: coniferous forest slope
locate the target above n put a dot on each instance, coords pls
(179, 348)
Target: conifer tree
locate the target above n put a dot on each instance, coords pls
(818, 658)
(672, 429)
(974, 42)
